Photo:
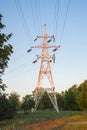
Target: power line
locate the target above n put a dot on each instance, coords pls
(21, 18)
(24, 19)
(34, 20)
(25, 26)
(37, 14)
(64, 24)
(21, 14)
(56, 15)
(18, 67)
(56, 26)
(18, 75)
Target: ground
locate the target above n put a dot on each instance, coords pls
(47, 120)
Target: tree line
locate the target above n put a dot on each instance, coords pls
(75, 98)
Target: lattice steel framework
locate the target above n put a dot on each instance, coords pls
(45, 69)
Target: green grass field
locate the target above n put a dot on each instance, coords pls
(29, 121)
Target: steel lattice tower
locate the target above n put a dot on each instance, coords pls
(45, 69)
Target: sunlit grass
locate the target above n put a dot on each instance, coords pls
(42, 120)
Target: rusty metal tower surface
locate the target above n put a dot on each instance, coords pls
(45, 70)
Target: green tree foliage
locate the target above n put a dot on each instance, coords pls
(82, 95)
(2, 87)
(74, 90)
(60, 100)
(14, 101)
(5, 52)
(6, 110)
(28, 103)
(45, 102)
(70, 97)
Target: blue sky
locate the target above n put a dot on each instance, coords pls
(71, 59)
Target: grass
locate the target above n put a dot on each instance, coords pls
(44, 115)
(45, 118)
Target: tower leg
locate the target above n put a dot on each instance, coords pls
(52, 95)
(38, 94)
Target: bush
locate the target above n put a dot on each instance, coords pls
(6, 110)
(28, 103)
(14, 101)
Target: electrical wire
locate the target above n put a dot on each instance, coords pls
(21, 14)
(21, 18)
(25, 27)
(24, 19)
(57, 18)
(56, 15)
(18, 74)
(39, 9)
(37, 15)
(18, 67)
(33, 14)
(64, 24)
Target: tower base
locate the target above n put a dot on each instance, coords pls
(38, 94)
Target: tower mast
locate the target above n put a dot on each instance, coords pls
(45, 69)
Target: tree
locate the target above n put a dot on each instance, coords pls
(82, 95)
(74, 90)
(2, 86)
(28, 103)
(60, 100)
(14, 101)
(70, 96)
(6, 110)
(5, 52)
(45, 102)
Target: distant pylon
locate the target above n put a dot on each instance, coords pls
(45, 69)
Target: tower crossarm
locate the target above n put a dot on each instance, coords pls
(39, 46)
(45, 46)
(53, 46)
(45, 36)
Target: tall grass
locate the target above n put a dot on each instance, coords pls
(29, 118)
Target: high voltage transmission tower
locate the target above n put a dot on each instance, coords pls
(45, 69)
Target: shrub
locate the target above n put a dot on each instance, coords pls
(6, 110)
